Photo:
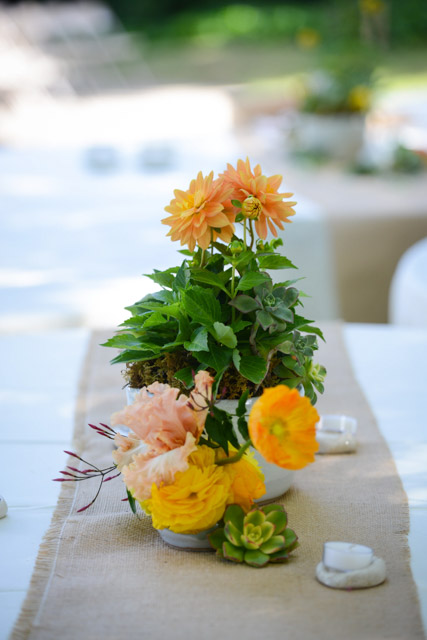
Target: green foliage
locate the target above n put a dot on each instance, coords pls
(257, 538)
(223, 308)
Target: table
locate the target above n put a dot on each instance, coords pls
(38, 420)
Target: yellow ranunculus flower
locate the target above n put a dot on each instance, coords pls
(247, 480)
(197, 498)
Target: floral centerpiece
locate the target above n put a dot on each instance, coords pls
(334, 102)
(220, 309)
(218, 323)
(183, 464)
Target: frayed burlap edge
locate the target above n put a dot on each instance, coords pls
(48, 550)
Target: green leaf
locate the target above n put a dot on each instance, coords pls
(232, 533)
(251, 279)
(277, 517)
(224, 334)
(218, 357)
(130, 355)
(255, 517)
(131, 501)
(279, 556)
(290, 538)
(256, 558)
(309, 329)
(235, 514)
(182, 277)
(207, 277)
(242, 425)
(186, 252)
(253, 368)
(155, 320)
(202, 305)
(236, 203)
(186, 376)
(162, 278)
(274, 261)
(235, 554)
(274, 544)
(241, 405)
(219, 427)
(236, 358)
(265, 319)
(217, 538)
(199, 340)
(245, 304)
(281, 312)
(240, 325)
(126, 341)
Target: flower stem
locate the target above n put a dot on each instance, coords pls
(244, 234)
(237, 456)
(233, 275)
(251, 231)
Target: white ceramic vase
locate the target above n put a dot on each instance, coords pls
(187, 541)
(339, 135)
(277, 480)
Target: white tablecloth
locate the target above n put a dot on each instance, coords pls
(38, 386)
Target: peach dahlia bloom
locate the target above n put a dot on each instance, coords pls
(201, 213)
(282, 427)
(273, 212)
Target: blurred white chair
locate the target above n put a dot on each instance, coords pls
(408, 291)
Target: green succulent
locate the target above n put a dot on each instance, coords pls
(257, 538)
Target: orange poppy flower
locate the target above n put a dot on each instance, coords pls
(201, 213)
(252, 184)
(282, 427)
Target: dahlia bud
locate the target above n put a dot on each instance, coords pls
(236, 247)
(251, 208)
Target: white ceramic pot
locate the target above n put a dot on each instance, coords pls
(187, 541)
(339, 136)
(131, 393)
(277, 480)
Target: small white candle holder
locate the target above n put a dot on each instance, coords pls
(336, 434)
(350, 566)
(3, 507)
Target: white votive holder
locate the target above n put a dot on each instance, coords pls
(350, 566)
(336, 434)
(346, 556)
(3, 507)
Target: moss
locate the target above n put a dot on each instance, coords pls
(163, 369)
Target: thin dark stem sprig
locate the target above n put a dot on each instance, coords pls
(91, 471)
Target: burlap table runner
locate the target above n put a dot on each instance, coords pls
(104, 574)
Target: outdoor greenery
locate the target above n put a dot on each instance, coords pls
(329, 21)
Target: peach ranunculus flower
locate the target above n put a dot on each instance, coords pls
(165, 431)
(161, 419)
(151, 468)
(127, 447)
(201, 213)
(263, 197)
(282, 427)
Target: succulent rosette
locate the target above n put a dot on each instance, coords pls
(256, 538)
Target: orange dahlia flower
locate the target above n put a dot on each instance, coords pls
(201, 213)
(282, 427)
(252, 184)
